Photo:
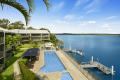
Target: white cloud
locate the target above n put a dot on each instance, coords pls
(80, 2)
(61, 22)
(91, 7)
(106, 25)
(84, 23)
(94, 6)
(58, 6)
(69, 17)
(91, 22)
(111, 17)
(110, 29)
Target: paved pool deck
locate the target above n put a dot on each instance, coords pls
(70, 67)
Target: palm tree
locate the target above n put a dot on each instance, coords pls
(21, 8)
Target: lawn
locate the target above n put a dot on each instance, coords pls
(7, 74)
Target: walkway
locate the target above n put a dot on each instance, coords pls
(70, 67)
(17, 72)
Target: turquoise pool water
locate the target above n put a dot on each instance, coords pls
(66, 76)
(53, 64)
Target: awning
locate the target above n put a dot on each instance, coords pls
(33, 52)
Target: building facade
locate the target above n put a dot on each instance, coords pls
(32, 35)
(27, 35)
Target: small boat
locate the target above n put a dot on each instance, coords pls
(80, 52)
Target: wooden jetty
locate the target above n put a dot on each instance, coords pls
(98, 65)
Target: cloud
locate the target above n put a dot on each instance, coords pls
(61, 22)
(94, 6)
(80, 2)
(91, 22)
(84, 23)
(69, 17)
(106, 25)
(58, 6)
(111, 17)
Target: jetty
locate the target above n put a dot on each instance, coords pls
(100, 66)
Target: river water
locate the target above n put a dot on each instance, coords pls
(104, 48)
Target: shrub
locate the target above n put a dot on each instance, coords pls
(26, 73)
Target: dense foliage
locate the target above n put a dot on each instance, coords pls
(55, 40)
(12, 40)
(6, 24)
(26, 73)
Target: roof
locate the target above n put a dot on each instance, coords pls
(25, 31)
(29, 31)
(33, 52)
(2, 29)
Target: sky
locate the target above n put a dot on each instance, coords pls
(71, 16)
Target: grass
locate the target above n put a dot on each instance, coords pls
(7, 74)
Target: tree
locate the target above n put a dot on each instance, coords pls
(8, 41)
(4, 23)
(55, 41)
(21, 8)
(45, 29)
(31, 28)
(16, 25)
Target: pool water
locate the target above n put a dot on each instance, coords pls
(66, 76)
(53, 64)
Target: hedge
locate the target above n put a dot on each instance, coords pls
(26, 73)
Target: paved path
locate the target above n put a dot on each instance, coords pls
(70, 67)
(17, 72)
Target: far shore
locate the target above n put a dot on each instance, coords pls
(86, 34)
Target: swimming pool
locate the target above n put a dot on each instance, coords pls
(53, 64)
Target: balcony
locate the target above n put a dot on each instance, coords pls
(1, 41)
(1, 54)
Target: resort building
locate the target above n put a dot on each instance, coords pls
(27, 35)
(1, 44)
(33, 35)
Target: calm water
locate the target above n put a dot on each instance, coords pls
(106, 49)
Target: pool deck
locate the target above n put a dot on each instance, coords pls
(40, 63)
(70, 67)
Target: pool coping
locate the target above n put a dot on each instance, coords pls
(71, 68)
